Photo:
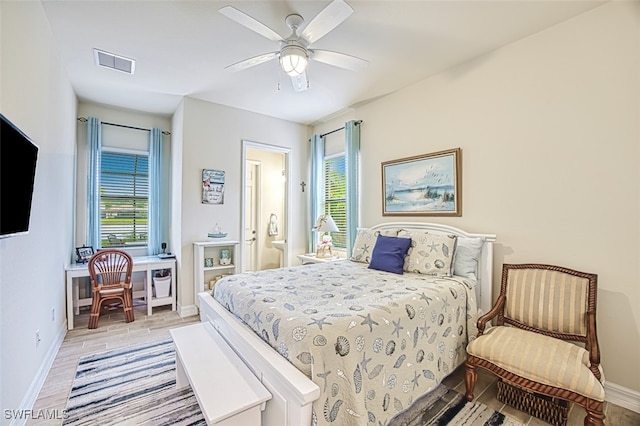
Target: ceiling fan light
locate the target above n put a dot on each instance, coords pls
(293, 60)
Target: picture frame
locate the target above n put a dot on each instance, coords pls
(212, 186)
(423, 185)
(84, 253)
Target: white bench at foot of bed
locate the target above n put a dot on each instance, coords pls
(292, 392)
(226, 390)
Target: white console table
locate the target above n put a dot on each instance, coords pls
(141, 263)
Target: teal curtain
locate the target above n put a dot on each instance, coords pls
(155, 196)
(352, 150)
(94, 143)
(316, 186)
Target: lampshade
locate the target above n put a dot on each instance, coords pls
(293, 60)
(325, 223)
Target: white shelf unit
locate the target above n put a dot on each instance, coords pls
(201, 273)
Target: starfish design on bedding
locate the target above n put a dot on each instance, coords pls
(368, 321)
(416, 376)
(433, 247)
(256, 319)
(319, 322)
(364, 362)
(397, 328)
(425, 298)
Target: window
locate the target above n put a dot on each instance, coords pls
(124, 199)
(335, 193)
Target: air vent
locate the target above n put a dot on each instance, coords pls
(115, 62)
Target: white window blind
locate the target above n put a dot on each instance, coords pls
(124, 199)
(335, 191)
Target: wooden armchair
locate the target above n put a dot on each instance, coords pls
(542, 311)
(110, 271)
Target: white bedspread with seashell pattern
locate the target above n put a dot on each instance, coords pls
(372, 341)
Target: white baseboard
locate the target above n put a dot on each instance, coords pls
(30, 397)
(622, 397)
(187, 311)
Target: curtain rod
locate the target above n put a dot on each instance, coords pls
(84, 120)
(337, 130)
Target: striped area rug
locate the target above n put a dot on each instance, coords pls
(444, 406)
(131, 386)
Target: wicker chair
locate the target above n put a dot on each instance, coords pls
(110, 272)
(542, 311)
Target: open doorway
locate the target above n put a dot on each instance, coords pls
(265, 206)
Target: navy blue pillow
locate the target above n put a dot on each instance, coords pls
(389, 253)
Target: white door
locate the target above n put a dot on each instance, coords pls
(252, 181)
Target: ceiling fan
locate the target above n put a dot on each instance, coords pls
(295, 51)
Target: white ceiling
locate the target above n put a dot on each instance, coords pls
(182, 47)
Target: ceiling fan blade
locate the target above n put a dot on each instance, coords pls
(340, 60)
(328, 18)
(249, 22)
(300, 82)
(252, 62)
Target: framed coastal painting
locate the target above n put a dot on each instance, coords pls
(424, 185)
(212, 186)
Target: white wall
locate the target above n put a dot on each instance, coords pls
(212, 136)
(550, 133)
(36, 96)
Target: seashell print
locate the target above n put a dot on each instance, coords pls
(342, 346)
(433, 337)
(371, 395)
(353, 413)
(319, 340)
(356, 308)
(289, 287)
(251, 302)
(397, 405)
(391, 347)
(446, 332)
(357, 379)
(445, 250)
(445, 367)
(376, 370)
(247, 318)
(335, 388)
(460, 330)
(275, 327)
(458, 312)
(372, 417)
(411, 312)
(406, 385)
(331, 414)
(283, 350)
(453, 292)
(438, 264)
(420, 356)
(430, 357)
(403, 344)
(441, 347)
(265, 335)
(416, 335)
(385, 402)
(327, 296)
(377, 345)
(298, 333)
(440, 319)
(289, 307)
(360, 341)
(305, 358)
(423, 253)
(269, 316)
(449, 318)
(439, 364)
(310, 311)
(391, 383)
(423, 312)
(268, 300)
(399, 361)
(428, 374)
(434, 316)
(351, 325)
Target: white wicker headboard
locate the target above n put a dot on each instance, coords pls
(485, 265)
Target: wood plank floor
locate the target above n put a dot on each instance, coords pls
(113, 332)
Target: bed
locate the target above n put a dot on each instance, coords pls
(345, 343)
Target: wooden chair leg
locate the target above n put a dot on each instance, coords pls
(95, 313)
(470, 378)
(595, 413)
(127, 305)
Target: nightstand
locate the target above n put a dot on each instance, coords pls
(312, 258)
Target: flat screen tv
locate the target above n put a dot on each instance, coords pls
(18, 155)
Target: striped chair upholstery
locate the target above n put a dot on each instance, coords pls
(541, 313)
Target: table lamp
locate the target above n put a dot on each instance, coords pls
(325, 224)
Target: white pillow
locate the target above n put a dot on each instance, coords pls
(365, 241)
(467, 257)
(430, 253)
